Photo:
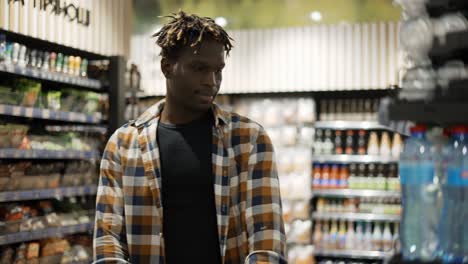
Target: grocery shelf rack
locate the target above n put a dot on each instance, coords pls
(353, 254)
(356, 216)
(353, 193)
(45, 233)
(342, 125)
(48, 121)
(39, 194)
(47, 114)
(353, 159)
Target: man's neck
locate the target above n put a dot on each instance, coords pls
(178, 115)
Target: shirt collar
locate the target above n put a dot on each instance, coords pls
(154, 112)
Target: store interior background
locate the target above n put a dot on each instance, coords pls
(324, 78)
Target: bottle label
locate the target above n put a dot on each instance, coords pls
(420, 173)
(457, 177)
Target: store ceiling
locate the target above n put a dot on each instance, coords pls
(240, 14)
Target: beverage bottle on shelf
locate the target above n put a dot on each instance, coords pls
(325, 182)
(354, 115)
(326, 235)
(352, 180)
(339, 110)
(377, 238)
(368, 109)
(359, 237)
(454, 227)
(338, 142)
(375, 110)
(333, 239)
(393, 181)
(332, 110)
(342, 235)
(362, 147)
(373, 145)
(323, 110)
(368, 237)
(321, 204)
(370, 180)
(316, 177)
(419, 198)
(317, 239)
(350, 142)
(346, 109)
(361, 178)
(2, 47)
(343, 179)
(334, 176)
(361, 110)
(327, 143)
(385, 145)
(397, 145)
(396, 237)
(353, 202)
(350, 236)
(387, 239)
(318, 142)
(380, 183)
(339, 206)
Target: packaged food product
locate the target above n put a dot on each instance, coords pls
(30, 91)
(4, 136)
(53, 100)
(17, 134)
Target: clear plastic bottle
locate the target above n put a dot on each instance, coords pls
(359, 238)
(368, 237)
(453, 230)
(377, 238)
(387, 241)
(342, 235)
(350, 236)
(419, 198)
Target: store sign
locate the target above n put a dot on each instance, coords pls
(70, 11)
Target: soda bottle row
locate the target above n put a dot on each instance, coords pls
(349, 110)
(355, 176)
(359, 205)
(17, 54)
(339, 235)
(433, 228)
(357, 142)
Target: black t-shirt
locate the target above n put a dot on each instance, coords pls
(190, 227)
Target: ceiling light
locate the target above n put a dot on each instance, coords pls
(221, 21)
(315, 16)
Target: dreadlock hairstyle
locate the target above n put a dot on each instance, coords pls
(184, 30)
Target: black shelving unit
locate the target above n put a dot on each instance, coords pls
(51, 121)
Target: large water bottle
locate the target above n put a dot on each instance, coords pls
(454, 225)
(418, 233)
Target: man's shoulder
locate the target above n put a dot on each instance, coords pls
(239, 121)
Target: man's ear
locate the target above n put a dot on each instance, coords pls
(167, 67)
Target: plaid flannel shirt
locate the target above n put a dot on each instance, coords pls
(129, 210)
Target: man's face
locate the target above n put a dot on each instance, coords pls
(195, 79)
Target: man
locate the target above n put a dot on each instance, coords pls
(188, 182)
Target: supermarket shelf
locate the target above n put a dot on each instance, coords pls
(31, 112)
(51, 76)
(48, 154)
(356, 216)
(84, 129)
(355, 193)
(352, 159)
(355, 254)
(366, 125)
(44, 233)
(38, 194)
